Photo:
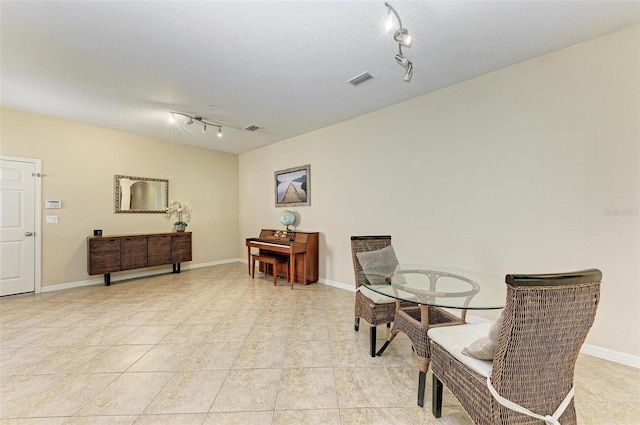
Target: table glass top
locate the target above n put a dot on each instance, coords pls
(438, 286)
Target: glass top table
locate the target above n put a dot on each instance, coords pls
(432, 286)
(438, 286)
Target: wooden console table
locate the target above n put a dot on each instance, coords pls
(107, 254)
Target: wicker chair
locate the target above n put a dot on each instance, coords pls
(545, 322)
(382, 309)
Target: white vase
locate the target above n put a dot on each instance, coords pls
(180, 227)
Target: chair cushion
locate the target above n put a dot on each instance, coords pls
(374, 296)
(455, 338)
(483, 348)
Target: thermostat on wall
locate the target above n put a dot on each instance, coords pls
(53, 204)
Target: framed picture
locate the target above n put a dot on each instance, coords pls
(293, 186)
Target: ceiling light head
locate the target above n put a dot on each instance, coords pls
(402, 37)
(402, 60)
(172, 118)
(204, 128)
(409, 72)
(190, 121)
(219, 131)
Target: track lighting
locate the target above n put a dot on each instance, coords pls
(402, 60)
(408, 73)
(191, 119)
(402, 37)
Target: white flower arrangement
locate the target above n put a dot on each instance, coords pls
(182, 210)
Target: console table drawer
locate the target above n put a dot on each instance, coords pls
(101, 245)
(181, 248)
(105, 262)
(159, 250)
(133, 253)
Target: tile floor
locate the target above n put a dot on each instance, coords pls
(211, 346)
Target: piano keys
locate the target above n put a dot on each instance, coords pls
(300, 247)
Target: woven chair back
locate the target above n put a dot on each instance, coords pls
(362, 244)
(546, 321)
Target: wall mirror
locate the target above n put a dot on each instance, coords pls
(141, 195)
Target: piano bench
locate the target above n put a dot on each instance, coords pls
(268, 259)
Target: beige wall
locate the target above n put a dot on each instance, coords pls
(80, 162)
(533, 168)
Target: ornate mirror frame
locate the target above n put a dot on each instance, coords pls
(154, 199)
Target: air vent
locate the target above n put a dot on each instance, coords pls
(356, 81)
(251, 127)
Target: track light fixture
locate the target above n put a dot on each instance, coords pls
(191, 119)
(402, 37)
(402, 60)
(409, 72)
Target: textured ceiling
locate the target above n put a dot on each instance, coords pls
(282, 66)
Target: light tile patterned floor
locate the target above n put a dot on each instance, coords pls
(211, 346)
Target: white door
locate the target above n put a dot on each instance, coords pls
(17, 227)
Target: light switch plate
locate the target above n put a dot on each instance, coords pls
(53, 204)
(52, 219)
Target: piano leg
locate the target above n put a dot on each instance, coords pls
(249, 261)
(292, 268)
(305, 271)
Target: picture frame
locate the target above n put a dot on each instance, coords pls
(292, 186)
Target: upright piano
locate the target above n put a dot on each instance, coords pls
(301, 248)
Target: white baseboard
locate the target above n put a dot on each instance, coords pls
(69, 285)
(216, 263)
(611, 355)
(591, 350)
(339, 285)
(120, 276)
